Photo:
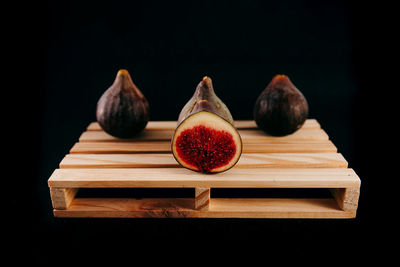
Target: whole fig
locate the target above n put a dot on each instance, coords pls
(122, 110)
(281, 109)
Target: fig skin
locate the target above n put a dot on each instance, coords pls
(123, 111)
(205, 91)
(281, 109)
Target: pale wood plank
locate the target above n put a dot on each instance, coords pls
(250, 124)
(273, 146)
(256, 160)
(180, 177)
(171, 125)
(292, 160)
(166, 135)
(301, 134)
(101, 136)
(202, 198)
(151, 125)
(119, 161)
(62, 197)
(219, 208)
(122, 147)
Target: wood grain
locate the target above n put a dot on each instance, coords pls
(166, 135)
(219, 208)
(180, 177)
(202, 198)
(272, 146)
(171, 125)
(256, 160)
(61, 198)
(347, 198)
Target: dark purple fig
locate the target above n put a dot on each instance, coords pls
(123, 111)
(281, 109)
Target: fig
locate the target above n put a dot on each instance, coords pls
(205, 91)
(123, 111)
(281, 109)
(205, 139)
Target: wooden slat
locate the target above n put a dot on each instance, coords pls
(180, 177)
(119, 161)
(219, 208)
(292, 160)
(171, 125)
(250, 124)
(122, 147)
(273, 146)
(256, 160)
(101, 136)
(166, 135)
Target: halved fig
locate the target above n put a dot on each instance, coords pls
(205, 139)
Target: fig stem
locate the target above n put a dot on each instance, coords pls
(208, 82)
(123, 72)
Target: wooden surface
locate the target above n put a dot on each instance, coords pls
(219, 208)
(61, 198)
(171, 125)
(156, 160)
(272, 146)
(166, 135)
(202, 198)
(181, 177)
(305, 159)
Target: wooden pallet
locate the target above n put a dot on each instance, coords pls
(306, 159)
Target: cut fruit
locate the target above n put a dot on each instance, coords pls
(206, 142)
(205, 139)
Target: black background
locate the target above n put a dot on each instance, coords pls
(71, 52)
